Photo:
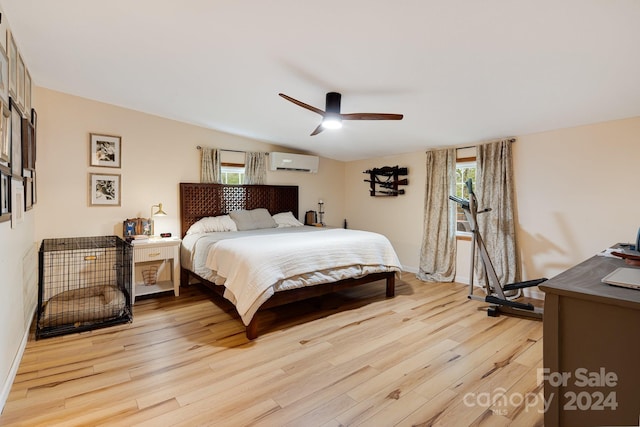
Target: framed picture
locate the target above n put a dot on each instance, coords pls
(17, 203)
(16, 139)
(28, 148)
(5, 135)
(34, 193)
(129, 227)
(4, 75)
(105, 150)
(12, 54)
(28, 191)
(104, 189)
(5, 197)
(27, 91)
(137, 226)
(20, 81)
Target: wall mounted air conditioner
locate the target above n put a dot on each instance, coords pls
(293, 162)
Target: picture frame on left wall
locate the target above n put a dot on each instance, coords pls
(5, 196)
(4, 75)
(5, 135)
(104, 189)
(12, 54)
(16, 139)
(17, 203)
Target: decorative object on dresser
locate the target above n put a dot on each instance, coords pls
(263, 248)
(85, 283)
(132, 227)
(385, 181)
(105, 151)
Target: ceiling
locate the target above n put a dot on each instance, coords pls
(461, 71)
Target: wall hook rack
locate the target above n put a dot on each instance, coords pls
(385, 181)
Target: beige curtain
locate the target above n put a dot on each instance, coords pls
(210, 165)
(495, 190)
(255, 168)
(438, 254)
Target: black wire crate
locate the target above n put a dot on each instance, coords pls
(84, 283)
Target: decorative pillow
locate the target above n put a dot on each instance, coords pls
(286, 219)
(213, 223)
(253, 219)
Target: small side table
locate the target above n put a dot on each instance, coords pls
(150, 259)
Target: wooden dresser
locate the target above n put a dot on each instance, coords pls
(591, 350)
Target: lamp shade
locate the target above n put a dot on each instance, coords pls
(159, 212)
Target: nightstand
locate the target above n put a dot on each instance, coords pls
(156, 267)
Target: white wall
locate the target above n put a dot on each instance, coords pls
(575, 195)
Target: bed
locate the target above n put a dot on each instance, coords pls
(268, 266)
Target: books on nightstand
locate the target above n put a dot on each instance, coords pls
(138, 239)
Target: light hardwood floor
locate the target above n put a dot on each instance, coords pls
(427, 357)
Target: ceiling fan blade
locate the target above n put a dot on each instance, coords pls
(317, 130)
(302, 104)
(371, 116)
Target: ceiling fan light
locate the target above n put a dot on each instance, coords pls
(330, 122)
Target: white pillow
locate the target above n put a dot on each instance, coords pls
(254, 219)
(286, 219)
(213, 223)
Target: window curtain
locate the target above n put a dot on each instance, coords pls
(438, 253)
(255, 168)
(495, 190)
(210, 165)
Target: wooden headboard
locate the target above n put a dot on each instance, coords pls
(199, 200)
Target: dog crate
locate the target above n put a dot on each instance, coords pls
(84, 283)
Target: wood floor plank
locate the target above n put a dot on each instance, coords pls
(351, 358)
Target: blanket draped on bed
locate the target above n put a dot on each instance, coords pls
(252, 267)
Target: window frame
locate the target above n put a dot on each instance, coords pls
(224, 173)
(464, 235)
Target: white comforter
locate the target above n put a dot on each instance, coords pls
(252, 267)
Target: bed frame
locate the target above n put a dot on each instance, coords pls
(199, 200)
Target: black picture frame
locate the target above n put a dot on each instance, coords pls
(28, 190)
(28, 145)
(5, 196)
(16, 139)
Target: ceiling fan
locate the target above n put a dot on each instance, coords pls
(331, 116)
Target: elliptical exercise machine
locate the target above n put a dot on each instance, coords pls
(494, 290)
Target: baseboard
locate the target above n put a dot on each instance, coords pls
(6, 387)
(409, 269)
(462, 280)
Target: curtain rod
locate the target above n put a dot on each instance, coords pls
(482, 143)
(230, 151)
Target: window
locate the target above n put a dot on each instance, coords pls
(232, 173)
(465, 170)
